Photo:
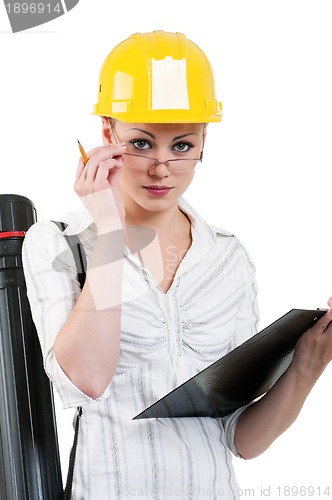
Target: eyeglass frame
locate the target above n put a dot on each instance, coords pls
(157, 162)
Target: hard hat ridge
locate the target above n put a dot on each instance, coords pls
(159, 44)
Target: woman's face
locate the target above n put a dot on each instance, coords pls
(152, 185)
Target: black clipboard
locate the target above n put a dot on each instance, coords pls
(239, 377)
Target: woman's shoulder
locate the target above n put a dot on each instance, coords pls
(200, 223)
(41, 229)
(54, 227)
(223, 235)
(42, 238)
(46, 235)
(220, 231)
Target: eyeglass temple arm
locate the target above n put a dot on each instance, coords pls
(113, 132)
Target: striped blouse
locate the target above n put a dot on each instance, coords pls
(166, 338)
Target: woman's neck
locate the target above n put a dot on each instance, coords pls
(167, 223)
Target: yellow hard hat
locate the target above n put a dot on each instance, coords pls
(157, 77)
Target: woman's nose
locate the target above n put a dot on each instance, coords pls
(160, 169)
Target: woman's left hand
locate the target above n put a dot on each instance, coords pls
(313, 351)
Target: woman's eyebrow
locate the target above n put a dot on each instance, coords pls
(182, 136)
(176, 138)
(144, 132)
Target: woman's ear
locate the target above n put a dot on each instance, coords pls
(204, 131)
(106, 131)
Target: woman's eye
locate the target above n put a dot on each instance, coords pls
(141, 144)
(182, 147)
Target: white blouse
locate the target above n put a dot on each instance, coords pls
(166, 338)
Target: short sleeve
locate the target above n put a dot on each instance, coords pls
(229, 423)
(52, 290)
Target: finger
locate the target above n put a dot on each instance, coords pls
(98, 168)
(103, 154)
(107, 170)
(96, 150)
(329, 302)
(79, 170)
(115, 173)
(95, 163)
(91, 170)
(324, 321)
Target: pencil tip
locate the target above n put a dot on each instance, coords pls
(78, 141)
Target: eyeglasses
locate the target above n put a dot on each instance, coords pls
(173, 165)
(178, 165)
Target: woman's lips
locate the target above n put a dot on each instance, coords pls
(156, 190)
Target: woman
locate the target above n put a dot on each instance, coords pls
(166, 293)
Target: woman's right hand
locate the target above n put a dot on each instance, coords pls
(97, 184)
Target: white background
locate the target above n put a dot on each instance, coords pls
(266, 173)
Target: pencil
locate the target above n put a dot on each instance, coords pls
(83, 153)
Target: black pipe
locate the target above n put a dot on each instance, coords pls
(29, 453)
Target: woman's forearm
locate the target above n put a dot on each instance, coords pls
(87, 346)
(262, 422)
